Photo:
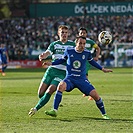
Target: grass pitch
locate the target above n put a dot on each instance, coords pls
(18, 93)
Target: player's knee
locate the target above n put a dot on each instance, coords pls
(40, 95)
(51, 90)
(62, 86)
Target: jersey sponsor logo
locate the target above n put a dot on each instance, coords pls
(59, 46)
(76, 75)
(76, 70)
(76, 64)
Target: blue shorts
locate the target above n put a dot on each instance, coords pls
(4, 60)
(82, 84)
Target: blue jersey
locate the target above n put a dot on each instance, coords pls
(76, 62)
(76, 69)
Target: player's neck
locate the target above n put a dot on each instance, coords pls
(64, 41)
(78, 50)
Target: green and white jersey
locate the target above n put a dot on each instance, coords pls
(90, 45)
(57, 49)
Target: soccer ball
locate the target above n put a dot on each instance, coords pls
(105, 37)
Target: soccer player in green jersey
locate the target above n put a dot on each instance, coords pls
(54, 74)
(92, 46)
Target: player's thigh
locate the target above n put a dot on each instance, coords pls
(58, 76)
(45, 82)
(48, 76)
(69, 84)
(85, 87)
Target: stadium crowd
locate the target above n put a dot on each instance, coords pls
(25, 38)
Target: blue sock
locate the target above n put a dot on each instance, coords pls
(3, 68)
(100, 105)
(57, 99)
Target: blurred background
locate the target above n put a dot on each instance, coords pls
(27, 27)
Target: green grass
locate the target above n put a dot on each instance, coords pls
(18, 93)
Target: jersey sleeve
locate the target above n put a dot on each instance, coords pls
(89, 56)
(51, 48)
(93, 44)
(95, 64)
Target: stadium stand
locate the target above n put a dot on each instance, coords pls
(26, 38)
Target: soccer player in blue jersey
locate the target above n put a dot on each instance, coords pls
(76, 76)
(4, 58)
(92, 46)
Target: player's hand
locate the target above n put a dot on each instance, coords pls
(46, 64)
(95, 58)
(106, 70)
(42, 56)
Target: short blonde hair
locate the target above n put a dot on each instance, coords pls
(63, 27)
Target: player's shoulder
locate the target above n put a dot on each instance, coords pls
(87, 51)
(90, 40)
(69, 48)
(55, 42)
(70, 42)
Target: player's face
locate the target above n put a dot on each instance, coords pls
(80, 44)
(82, 33)
(2, 45)
(63, 34)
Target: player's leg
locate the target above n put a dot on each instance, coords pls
(42, 89)
(41, 92)
(99, 103)
(57, 99)
(55, 77)
(88, 89)
(45, 82)
(4, 66)
(42, 101)
(88, 66)
(65, 85)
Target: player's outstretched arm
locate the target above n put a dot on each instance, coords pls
(56, 62)
(106, 70)
(46, 64)
(44, 55)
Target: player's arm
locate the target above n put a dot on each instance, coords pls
(59, 61)
(95, 64)
(44, 55)
(55, 62)
(98, 50)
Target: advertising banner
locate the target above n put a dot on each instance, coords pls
(24, 64)
(79, 9)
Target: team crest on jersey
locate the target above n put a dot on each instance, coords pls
(76, 64)
(83, 56)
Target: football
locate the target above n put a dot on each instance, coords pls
(105, 37)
